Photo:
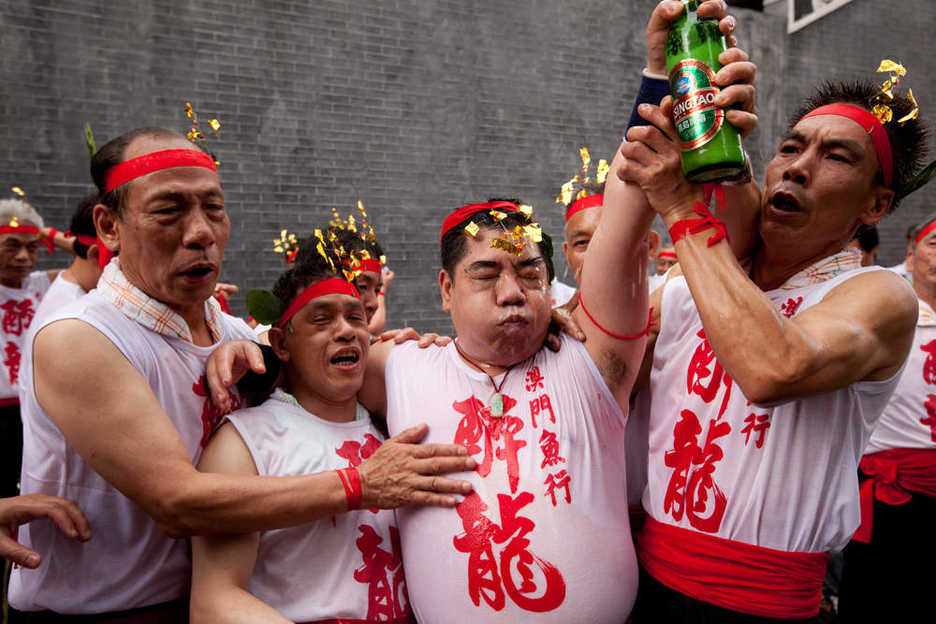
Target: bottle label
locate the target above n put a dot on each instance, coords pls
(696, 117)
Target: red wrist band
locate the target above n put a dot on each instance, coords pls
(352, 486)
(50, 240)
(645, 332)
(681, 229)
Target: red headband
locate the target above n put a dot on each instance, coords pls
(589, 201)
(367, 264)
(104, 254)
(328, 286)
(924, 232)
(872, 125)
(668, 254)
(25, 230)
(466, 212)
(84, 239)
(156, 161)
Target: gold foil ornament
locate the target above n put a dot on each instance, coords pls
(883, 113)
(383, 260)
(891, 66)
(498, 215)
(215, 125)
(472, 229)
(189, 110)
(586, 159)
(602, 174)
(526, 210)
(18, 191)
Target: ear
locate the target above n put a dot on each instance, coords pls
(445, 288)
(565, 250)
(93, 253)
(881, 203)
(105, 222)
(653, 242)
(277, 338)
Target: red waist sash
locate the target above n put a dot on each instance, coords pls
(895, 473)
(733, 575)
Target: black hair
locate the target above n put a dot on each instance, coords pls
(82, 222)
(313, 268)
(867, 237)
(908, 140)
(454, 243)
(112, 153)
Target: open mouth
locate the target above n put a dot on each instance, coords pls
(785, 202)
(198, 271)
(346, 358)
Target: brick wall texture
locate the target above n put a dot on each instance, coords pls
(412, 106)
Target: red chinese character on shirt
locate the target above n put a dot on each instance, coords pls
(702, 365)
(17, 315)
(758, 423)
(12, 361)
(689, 487)
(510, 573)
(383, 571)
(929, 366)
(789, 308)
(211, 415)
(549, 444)
(534, 379)
(478, 423)
(540, 405)
(559, 480)
(930, 418)
(355, 452)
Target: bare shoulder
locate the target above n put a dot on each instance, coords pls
(882, 297)
(227, 453)
(76, 346)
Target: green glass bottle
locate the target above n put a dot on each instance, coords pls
(711, 147)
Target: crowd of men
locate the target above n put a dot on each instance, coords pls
(687, 447)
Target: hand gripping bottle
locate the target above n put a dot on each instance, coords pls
(711, 147)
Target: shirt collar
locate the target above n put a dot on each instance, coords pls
(152, 314)
(848, 259)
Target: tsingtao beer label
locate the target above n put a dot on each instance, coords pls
(696, 117)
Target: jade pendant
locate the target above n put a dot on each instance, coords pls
(496, 405)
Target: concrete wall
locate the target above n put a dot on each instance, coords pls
(412, 106)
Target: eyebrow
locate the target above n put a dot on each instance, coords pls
(578, 233)
(855, 148)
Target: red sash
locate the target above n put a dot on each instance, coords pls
(733, 575)
(895, 473)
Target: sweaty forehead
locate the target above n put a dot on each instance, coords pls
(146, 144)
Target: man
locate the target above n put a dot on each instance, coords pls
(866, 241)
(21, 233)
(753, 459)
(82, 274)
(344, 567)
(882, 579)
(903, 269)
(116, 420)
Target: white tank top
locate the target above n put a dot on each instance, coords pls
(60, 293)
(909, 420)
(17, 309)
(781, 477)
(342, 567)
(129, 561)
(545, 536)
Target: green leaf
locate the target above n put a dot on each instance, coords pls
(918, 182)
(265, 307)
(89, 140)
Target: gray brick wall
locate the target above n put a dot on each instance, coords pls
(412, 106)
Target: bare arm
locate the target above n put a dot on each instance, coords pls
(222, 565)
(139, 451)
(614, 284)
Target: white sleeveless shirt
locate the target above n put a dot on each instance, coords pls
(17, 308)
(342, 567)
(545, 536)
(781, 477)
(909, 420)
(129, 561)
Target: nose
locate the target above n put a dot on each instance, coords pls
(797, 169)
(508, 290)
(22, 253)
(344, 330)
(199, 233)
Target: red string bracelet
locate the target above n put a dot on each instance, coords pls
(693, 226)
(645, 332)
(352, 486)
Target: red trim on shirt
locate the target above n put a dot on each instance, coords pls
(733, 575)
